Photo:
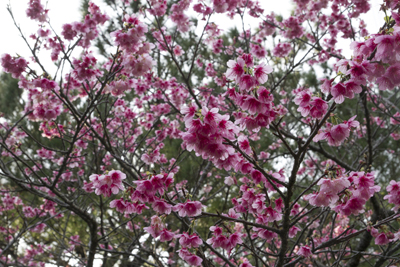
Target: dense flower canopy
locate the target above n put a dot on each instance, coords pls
(163, 140)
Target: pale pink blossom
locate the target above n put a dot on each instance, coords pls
(261, 73)
(36, 11)
(246, 82)
(119, 204)
(304, 251)
(166, 235)
(189, 241)
(189, 257)
(293, 231)
(235, 70)
(190, 208)
(161, 207)
(156, 226)
(382, 239)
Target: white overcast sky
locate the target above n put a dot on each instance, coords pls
(60, 12)
(68, 11)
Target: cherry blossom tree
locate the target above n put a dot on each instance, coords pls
(161, 139)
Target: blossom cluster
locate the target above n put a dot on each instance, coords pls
(337, 134)
(15, 66)
(36, 11)
(394, 194)
(345, 194)
(314, 106)
(219, 240)
(107, 183)
(87, 30)
(207, 132)
(150, 191)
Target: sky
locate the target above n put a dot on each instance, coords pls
(11, 42)
(60, 13)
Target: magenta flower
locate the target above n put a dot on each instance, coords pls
(264, 95)
(189, 241)
(156, 226)
(261, 73)
(190, 208)
(382, 239)
(211, 117)
(354, 205)
(318, 107)
(246, 82)
(166, 235)
(235, 70)
(272, 215)
(257, 176)
(235, 239)
(393, 73)
(303, 98)
(217, 241)
(394, 194)
(248, 59)
(326, 86)
(328, 193)
(232, 214)
(251, 104)
(15, 66)
(293, 231)
(119, 204)
(282, 49)
(189, 257)
(36, 11)
(109, 183)
(339, 92)
(385, 46)
(304, 251)
(246, 263)
(161, 207)
(340, 132)
(265, 234)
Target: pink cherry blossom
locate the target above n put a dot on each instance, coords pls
(304, 251)
(261, 73)
(293, 231)
(382, 239)
(119, 204)
(337, 133)
(246, 82)
(190, 209)
(188, 241)
(282, 49)
(189, 257)
(246, 263)
(168, 96)
(235, 70)
(156, 226)
(339, 92)
(232, 214)
(340, 132)
(166, 235)
(394, 194)
(318, 107)
(161, 207)
(15, 66)
(36, 11)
